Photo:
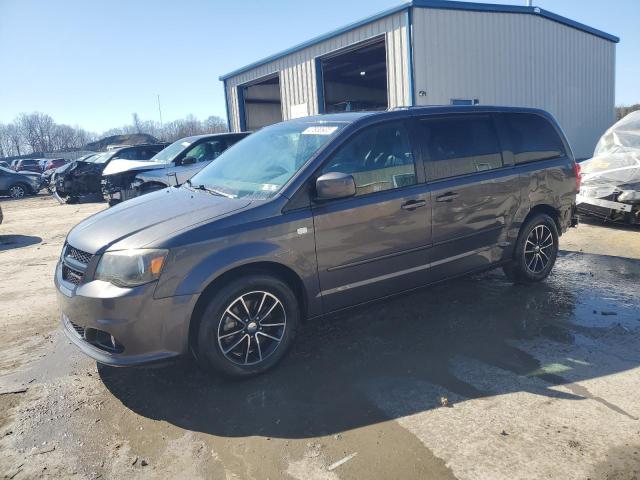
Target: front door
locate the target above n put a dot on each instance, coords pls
(373, 244)
(474, 193)
(199, 157)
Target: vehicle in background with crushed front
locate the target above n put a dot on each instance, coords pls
(611, 179)
(84, 177)
(125, 179)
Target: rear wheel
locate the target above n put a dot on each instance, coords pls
(18, 190)
(535, 252)
(248, 326)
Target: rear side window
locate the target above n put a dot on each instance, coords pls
(460, 145)
(533, 138)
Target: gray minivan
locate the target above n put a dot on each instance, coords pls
(311, 216)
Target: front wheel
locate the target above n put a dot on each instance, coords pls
(535, 252)
(18, 190)
(248, 326)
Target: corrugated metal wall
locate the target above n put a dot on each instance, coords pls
(521, 60)
(298, 76)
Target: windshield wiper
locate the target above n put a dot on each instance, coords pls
(213, 191)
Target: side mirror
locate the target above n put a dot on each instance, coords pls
(334, 185)
(188, 161)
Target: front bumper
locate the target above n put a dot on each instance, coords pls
(124, 326)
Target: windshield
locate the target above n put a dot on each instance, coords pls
(102, 158)
(258, 166)
(168, 154)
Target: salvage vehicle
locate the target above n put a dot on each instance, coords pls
(28, 165)
(310, 216)
(611, 179)
(84, 177)
(19, 184)
(124, 179)
(54, 163)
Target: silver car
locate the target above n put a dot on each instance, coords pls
(124, 179)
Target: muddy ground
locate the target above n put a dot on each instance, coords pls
(473, 379)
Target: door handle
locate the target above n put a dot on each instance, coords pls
(413, 204)
(447, 197)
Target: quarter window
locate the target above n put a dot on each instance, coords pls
(460, 145)
(533, 138)
(379, 158)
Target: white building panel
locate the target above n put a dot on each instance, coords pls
(298, 75)
(520, 60)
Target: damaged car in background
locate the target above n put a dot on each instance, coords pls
(124, 179)
(84, 177)
(19, 184)
(611, 179)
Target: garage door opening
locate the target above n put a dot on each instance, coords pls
(262, 103)
(356, 79)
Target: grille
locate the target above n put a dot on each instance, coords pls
(79, 255)
(71, 275)
(79, 330)
(71, 271)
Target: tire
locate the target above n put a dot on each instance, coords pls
(18, 190)
(71, 200)
(239, 344)
(534, 255)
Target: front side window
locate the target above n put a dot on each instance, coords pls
(379, 158)
(260, 165)
(206, 151)
(533, 138)
(460, 145)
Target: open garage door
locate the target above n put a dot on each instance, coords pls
(356, 78)
(261, 102)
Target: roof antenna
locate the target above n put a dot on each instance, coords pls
(529, 3)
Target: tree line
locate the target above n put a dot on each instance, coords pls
(37, 132)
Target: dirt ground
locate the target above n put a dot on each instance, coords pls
(472, 379)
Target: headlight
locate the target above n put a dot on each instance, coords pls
(130, 268)
(629, 196)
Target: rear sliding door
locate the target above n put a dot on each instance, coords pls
(475, 194)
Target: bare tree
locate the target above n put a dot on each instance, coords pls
(215, 124)
(136, 123)
(38, 133)
(37, 130)
(14, 140)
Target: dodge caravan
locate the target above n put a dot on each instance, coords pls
(311, 216)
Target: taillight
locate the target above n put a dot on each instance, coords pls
(576, 170)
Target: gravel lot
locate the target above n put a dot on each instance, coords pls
(472, 379)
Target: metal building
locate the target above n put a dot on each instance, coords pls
(435, 52)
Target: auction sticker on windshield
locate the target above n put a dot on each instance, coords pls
(321, 130)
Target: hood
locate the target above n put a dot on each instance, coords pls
(64, 167)
(119, 166)
(138, 222)
(30, 174)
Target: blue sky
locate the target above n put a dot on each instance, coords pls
(93, 63)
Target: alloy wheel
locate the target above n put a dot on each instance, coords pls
(538, 248)
(17, 191)
(251, 328)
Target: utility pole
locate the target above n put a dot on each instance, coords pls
(160, 110)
